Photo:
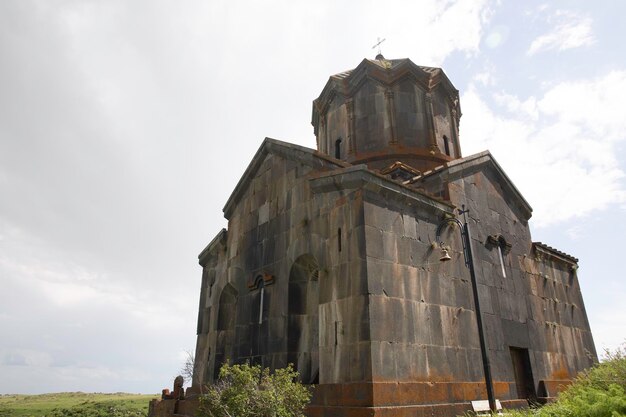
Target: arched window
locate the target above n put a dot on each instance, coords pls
(503, 248)
(258, 284)
(446, 144)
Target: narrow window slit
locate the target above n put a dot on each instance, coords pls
(339, 239)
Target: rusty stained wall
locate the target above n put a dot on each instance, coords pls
(336, 126)
(445, 124)
(559, 326)
(424, 342)
(277, 220)
(384, 123)
(420, 309)
(538, 306)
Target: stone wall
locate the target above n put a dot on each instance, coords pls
(536, 304)
(335, 269)
(314, 291)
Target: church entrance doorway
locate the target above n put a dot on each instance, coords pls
(523, 374)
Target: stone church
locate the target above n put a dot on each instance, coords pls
(330, 262)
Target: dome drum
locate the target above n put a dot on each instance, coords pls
(385, 111)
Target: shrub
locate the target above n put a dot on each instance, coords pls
(597, 392)
(249, 391)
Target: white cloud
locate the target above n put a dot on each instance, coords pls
(570, 31)
(560, 149)
(71, 287)
(595, 106)
(608, 320)
(527, 108)
(574, 232)
(459, 27)
(35, 368)
(26, 357)
(486, 76)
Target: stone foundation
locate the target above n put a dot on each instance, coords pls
(384, 399)
(405, 399)
(173, 408)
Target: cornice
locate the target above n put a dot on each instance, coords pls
(459, 167)
(544, 251)
(209, 251)
(359, 177)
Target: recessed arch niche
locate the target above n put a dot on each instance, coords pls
(303, 318)
(225, 331)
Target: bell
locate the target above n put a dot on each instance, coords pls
(445, 256)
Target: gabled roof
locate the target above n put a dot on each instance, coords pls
(286, 150)
(333, 170)
(459, 167)
(398, 165)
(548, 251)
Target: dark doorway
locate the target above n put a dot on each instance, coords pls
(523, 374)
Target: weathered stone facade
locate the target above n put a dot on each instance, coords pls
(330, 263)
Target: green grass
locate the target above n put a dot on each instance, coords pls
(75, 404)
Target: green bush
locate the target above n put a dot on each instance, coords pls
(249, 391)
(597, 392)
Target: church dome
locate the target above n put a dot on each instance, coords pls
(389, 111)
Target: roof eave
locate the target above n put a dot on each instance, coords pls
(289, 150)
(208, 251)
(360, 177)
(458, 166)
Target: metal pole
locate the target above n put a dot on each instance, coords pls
(479, 320)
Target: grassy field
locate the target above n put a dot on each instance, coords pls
(75, 404)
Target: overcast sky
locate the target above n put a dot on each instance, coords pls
(125, 125)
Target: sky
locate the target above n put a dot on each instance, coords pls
(125, 125)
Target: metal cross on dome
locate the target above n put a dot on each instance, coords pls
(378, 44)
